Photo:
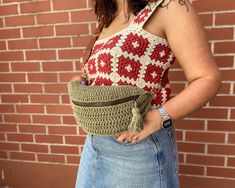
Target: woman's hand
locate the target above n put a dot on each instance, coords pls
(152, 123)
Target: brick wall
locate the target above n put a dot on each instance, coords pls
(40, 145)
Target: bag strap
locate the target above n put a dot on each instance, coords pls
(86, 54)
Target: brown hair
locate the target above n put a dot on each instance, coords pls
(106, 9)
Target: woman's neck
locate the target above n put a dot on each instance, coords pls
(122, 6)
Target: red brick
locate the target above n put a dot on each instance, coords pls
(213, 5)
(64, 149)
(221, 149)
(69, 54)
(41, 55)
(223, 101)
(69, 120)
(190, 124)
(29, 108)
(42, 77)
(2, 137)
(56, 88)
(8, 10)
(19, 137)
(26, 67)
(62, 130)
(228, 75)
(39, 31)
(4, 67)
(3, 45)
(231, 138)
(22, 44)
(233, 114)
(177, 88)
(219, 33)
(4, 108)
(73, 159)
(32, 128)
(191, 147)
(14, 98)
(37, 6)
(224, 47)
(77, 140)
(3, 155)
(224, 89)
(35, 148)
(28, 88)
(83, 16)
(22, 156)
(190, 169)
(9, 33)
(221, 172)
(206, 19)
(81, 41)
(58, 109)
(45, 119)
(221, 126)
(9, 146)
(11, 56)
(231, 161)
(8, 128)
(205, 182)
(44, 98)
(49, 139)
(55, 43)
(49, 18)
(19, 20)
(205, 137)
(57, 66)
(51, 158)
(78, 29)
(225, 18)
(205, 160)
(72, 4)
(210, 113)
(65, 99)
(12, 77)
(17, 118)
(5, 88)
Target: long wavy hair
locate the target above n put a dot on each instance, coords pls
(105, 9)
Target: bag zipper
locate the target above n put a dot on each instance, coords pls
(109, 103)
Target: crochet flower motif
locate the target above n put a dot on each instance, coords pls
(111, 42)
(135, 44)
(91, 66)
(128, 67)
(96, 47)
(142, 15)
(161, 53)
(102, 81)
(153, 73)
(104, 63)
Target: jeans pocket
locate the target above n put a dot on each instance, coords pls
(131, 143)
(172, 137)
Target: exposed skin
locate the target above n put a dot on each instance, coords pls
(178, 22)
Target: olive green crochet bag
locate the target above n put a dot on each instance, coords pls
(109, 110)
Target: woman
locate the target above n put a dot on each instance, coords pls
(139, 43)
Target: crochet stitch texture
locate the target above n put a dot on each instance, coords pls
(132, 56)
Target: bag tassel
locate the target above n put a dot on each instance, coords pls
(136, 121)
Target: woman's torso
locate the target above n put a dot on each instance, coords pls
(133, 56)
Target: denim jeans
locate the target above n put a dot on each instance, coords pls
(148, 163)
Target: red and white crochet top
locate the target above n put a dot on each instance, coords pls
(132, 56)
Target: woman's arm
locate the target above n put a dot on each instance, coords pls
(189, 44)
(186, 37)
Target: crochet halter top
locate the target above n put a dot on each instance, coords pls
(132, 56)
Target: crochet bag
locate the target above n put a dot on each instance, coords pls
(109, 110)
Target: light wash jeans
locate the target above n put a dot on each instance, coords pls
(148, 163)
